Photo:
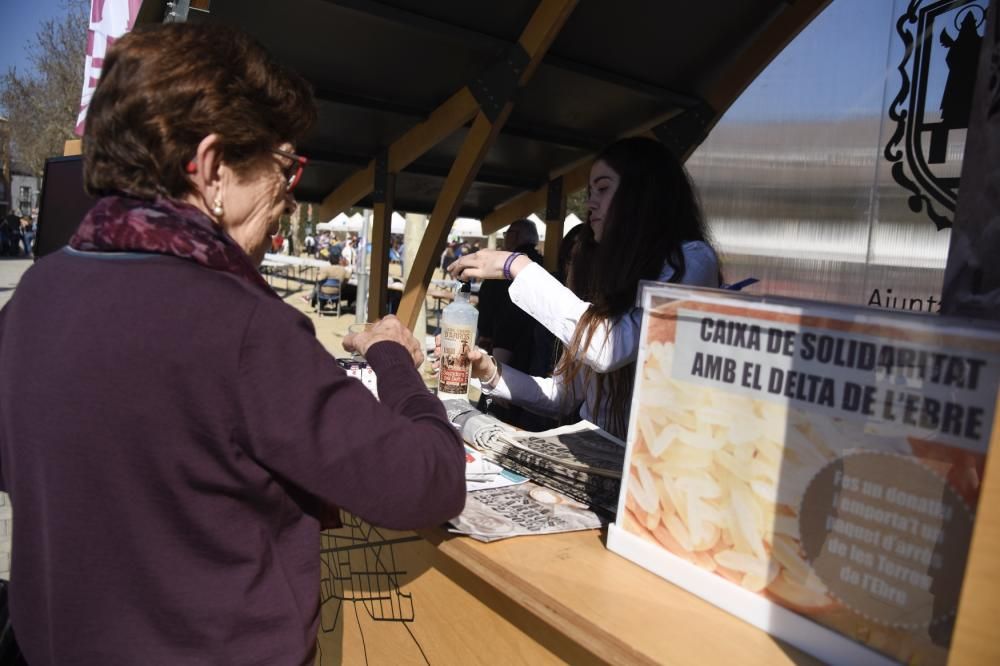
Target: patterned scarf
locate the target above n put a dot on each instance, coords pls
(163, 226)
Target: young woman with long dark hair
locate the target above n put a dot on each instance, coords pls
(644, 224)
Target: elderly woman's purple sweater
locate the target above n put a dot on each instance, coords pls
(169, 435)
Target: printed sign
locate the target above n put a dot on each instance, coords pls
(810, 462)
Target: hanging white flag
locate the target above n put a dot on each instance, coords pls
(109, 20)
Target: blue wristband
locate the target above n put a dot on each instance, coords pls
(510, 262)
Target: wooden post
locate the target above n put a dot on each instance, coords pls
(972, 289)
(413, 233)
(555, 218)
(975, 638)
(378, 277)
(535, 40)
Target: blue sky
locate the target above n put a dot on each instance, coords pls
(835, 67)
(844, 64)
(20, 20)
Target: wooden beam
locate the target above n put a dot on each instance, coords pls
(458, 110)
(378, 276)
(462, 173)
(525, 204)
(535, 40)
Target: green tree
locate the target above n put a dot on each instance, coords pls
(41, 105)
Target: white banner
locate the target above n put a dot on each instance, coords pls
(109, 20)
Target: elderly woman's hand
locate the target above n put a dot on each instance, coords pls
(483, 365)
(487, 265)
(390, 329)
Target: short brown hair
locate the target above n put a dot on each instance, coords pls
(166, 87)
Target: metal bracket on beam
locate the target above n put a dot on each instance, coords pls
(177, 11)
(554, 209)
(685, 130)
(381, 176)
(498, 84)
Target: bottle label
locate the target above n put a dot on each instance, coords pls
(456, 342)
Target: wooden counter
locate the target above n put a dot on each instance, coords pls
(612, 609)
(561, 598)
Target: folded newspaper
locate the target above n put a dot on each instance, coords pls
(580, 461)
(482, 474)
(520, 510)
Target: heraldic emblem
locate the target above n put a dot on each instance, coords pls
(941, 39)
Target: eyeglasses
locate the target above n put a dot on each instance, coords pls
(293, 172)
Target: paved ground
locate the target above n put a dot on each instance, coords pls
(11, 271)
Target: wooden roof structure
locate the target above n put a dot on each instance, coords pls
(495, 109)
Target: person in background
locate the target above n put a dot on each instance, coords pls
(338, 269)
(567, 248)
(28, 235)
(511, 334)
(184, 435)
(644, 224)
(310, 244)
(7, 226)
(10, 236)
(448, 256)
(348, 252)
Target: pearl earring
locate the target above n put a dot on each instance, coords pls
(217, 206)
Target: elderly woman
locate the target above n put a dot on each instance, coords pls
(172, 435)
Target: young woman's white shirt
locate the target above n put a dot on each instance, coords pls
(615, 345)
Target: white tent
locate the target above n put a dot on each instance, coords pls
(571, 221)
(342, 223)
(539, 226)
(463, 226)
(398, 223)
(466, 226)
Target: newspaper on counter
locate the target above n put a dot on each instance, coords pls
(482, 474)
(478, 429)
(582, 447)
(521, 510)
(580, 460)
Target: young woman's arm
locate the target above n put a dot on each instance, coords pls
(546, 396)
(557, 308)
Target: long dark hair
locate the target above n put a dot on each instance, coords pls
(653, 213)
